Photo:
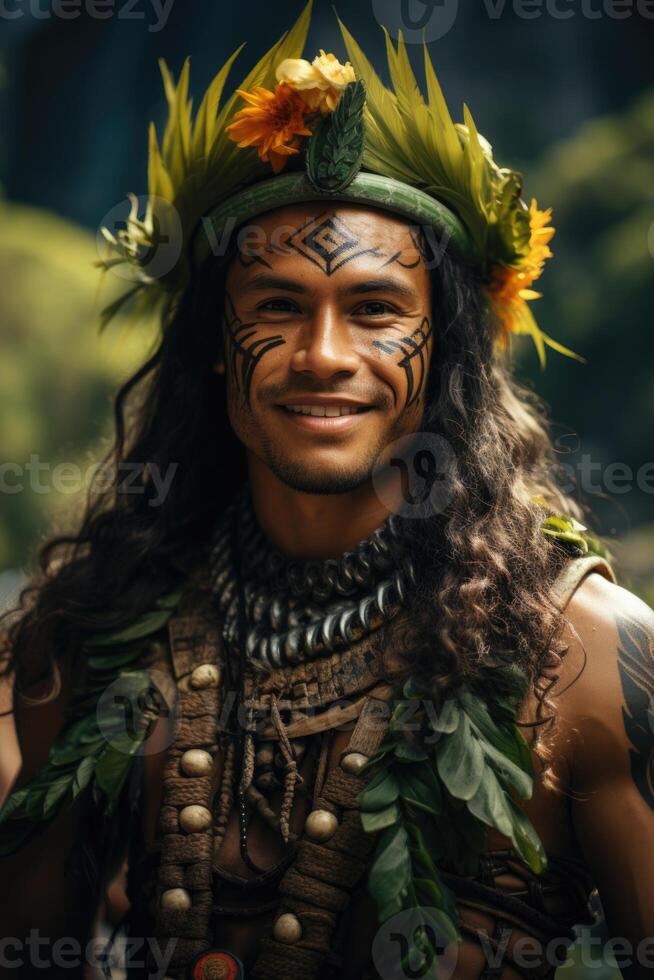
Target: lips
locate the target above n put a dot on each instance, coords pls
(325, 410)
(325, 420)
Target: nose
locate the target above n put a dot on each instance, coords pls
(325, 346)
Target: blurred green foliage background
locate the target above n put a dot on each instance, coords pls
(57, 375)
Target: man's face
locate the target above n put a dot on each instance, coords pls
(327, 312)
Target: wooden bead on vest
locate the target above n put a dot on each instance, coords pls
(287, 928)
(176, 900)
(353, 763)
(196, 762)
(206, 675)
(194, 819)
(320, 825)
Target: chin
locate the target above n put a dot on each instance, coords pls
(319, 480)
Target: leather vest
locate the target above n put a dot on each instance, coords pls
(174, 888)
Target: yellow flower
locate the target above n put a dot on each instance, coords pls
(509, 288)
(320, 82)
(334, 73)
(272, 122)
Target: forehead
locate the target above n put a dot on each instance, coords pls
(364, 222)
(334, 239)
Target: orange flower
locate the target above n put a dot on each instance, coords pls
(272, 122)
(509, 288)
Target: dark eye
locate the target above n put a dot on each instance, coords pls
(279, 305)
(375, 307)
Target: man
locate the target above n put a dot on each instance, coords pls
(362, 521)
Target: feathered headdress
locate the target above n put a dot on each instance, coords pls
(339, 133)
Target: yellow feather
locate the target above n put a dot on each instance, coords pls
(159, 183)
(527, 325)
(208, 110)
(478, 180)
(381, 105)
(291, 45)
(445, 135)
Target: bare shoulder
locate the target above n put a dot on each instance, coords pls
(606, 686)
(33, 721)
(609, 626)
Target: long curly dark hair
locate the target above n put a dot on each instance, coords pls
(483, 563)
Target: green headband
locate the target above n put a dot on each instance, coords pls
(372, 190)
(394, 147)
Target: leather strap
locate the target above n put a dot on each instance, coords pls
(573, 574)
(319, 885)
(186, 858)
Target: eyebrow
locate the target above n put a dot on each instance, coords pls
(385, 284)
(264, 281)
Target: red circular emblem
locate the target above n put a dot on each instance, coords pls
(216, 965)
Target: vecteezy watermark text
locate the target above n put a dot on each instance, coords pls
(44, 477)
(254, 242)
(158, 10)
(66, 952)
(429, 20)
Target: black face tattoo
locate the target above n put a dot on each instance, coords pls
(249, 258)
(242, 352)
(413, 360)
(636, 666)
(422, 252)
(327, 242)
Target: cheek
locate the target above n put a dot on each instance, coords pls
(403, 363)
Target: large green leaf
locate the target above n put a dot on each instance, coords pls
(380, 793)
(460, 760)
(405, 752)
(54, 793)
(390, 874)
(508, 772)
(419, 787)
(113, 765)
(83, 775)
(527, 841)
(147, 624)
(490, 804)
(447, 719)
(380, 819)
(508, 740)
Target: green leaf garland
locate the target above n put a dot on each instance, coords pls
(92, 753)
(433, 802)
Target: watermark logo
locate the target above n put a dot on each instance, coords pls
(411, 945)
(258, 244)
(129, 704)
(418, 20)
(147, 232)
(419, 470)
(430, 20)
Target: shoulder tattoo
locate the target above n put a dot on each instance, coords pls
(636, 666)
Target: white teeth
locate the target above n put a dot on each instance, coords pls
(323, 411)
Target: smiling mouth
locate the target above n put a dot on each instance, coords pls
(325, 411)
